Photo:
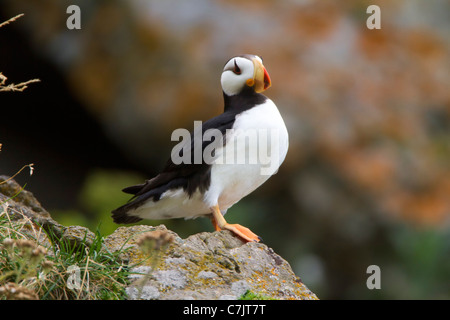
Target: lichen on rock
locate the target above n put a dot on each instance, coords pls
(215, 265)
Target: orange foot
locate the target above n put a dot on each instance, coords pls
(219, 224)
(243, 232)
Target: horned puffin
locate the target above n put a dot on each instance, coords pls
(209, 188)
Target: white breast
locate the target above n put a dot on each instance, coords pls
(256, 146)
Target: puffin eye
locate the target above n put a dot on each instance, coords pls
(236, 69)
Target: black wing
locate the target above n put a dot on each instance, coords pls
(188, 176)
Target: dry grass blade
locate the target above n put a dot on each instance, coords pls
(11, 20)
(25, 166)
(13, 87)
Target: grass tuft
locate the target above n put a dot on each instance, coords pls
(37, 265)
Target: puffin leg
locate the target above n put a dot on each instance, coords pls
(214, 223)
(219, 223)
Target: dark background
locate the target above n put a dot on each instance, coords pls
(366, 180)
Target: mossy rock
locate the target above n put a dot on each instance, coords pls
(215, 265)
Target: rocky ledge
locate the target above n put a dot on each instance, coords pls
(164, 266)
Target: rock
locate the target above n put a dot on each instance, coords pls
(215, 265)
(206, 265)
(21, 205)
(20, 202)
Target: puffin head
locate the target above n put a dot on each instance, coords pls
(244, 71)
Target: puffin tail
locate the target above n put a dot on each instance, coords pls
(121, 215)
(150, 190)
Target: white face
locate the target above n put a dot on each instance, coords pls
(235, 74)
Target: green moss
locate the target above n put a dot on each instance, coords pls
(249, 295)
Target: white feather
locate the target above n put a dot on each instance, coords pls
(233, 83)
(173, 204)
(230, 182)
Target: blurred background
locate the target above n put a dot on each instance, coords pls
(367, 177)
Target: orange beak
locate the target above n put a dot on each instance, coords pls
(261, 78)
